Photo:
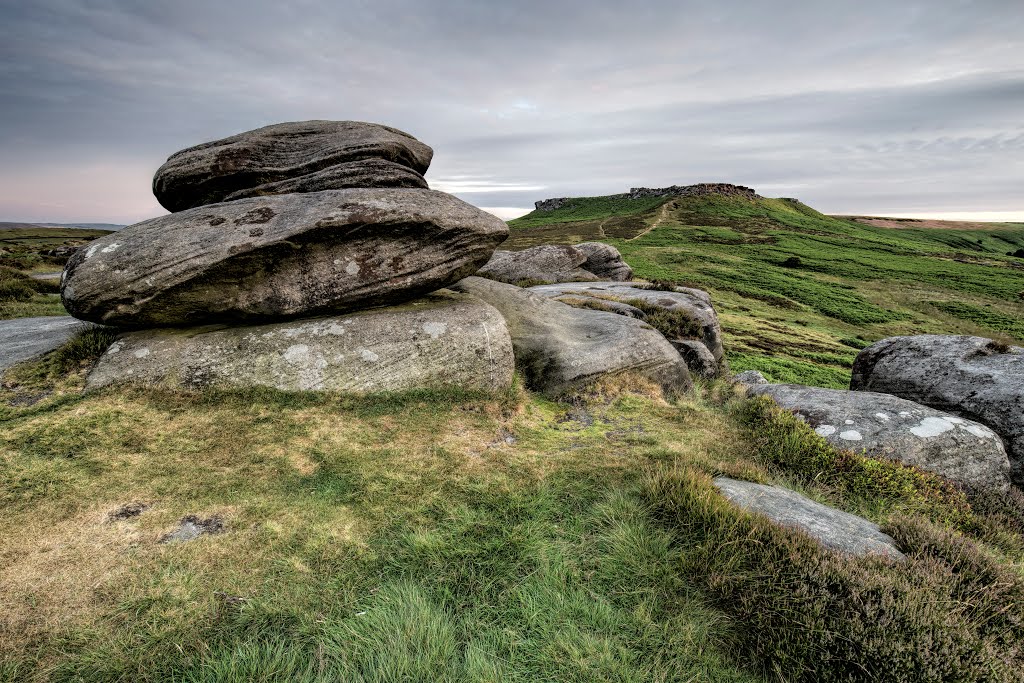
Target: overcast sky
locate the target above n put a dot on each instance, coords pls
(888, 107)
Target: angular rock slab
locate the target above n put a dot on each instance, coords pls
(834, 529)
(23, 339)
(277, 257)
(300, 156)
(889, 427)
(547, 263)
(971, 377)
(694, 303)
(559, 348)
(442, 340)
(604, 261)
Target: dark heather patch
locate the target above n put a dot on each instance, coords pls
(128, 511)
(255, 216)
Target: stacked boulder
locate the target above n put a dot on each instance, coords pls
(304, 255)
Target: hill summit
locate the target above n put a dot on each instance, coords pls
(698, 190)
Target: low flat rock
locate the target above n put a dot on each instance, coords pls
(972, 377)
(546, 263)
(300, 156)
(442, 340)
(559, 348)
(886, 426)
(604, 261)
(693, 303)
(276, 257)
(834, 529)
(23, 339)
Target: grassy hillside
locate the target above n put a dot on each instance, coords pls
(799, 292)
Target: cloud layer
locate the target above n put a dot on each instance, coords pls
(869, 107)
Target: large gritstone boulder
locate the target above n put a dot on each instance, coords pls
(559, 348)
(280, 256)
(834, 529)
(604, 261)
(682, 313)
(546, 263)
(302, 156)
(442, 340)
(971, 377)
(888, 427)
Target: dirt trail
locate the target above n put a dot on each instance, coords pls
(662, 216)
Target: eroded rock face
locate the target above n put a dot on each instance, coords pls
(559, 348)
(604, 261)
(546, 263)
(442, 340)
(301, 156)
(279, 256)
(897, 429)
(834, 529)
(971, 377)
(693, 304)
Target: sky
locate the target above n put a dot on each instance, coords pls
(893, 107)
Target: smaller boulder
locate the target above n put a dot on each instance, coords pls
(559, 348)
(834, 529)
(885, 426)
(698, 359)
(749, 378)
(546, 263)
(23, 339)
(605, 261)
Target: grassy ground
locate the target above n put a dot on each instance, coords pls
(798, 292)
(451, 537)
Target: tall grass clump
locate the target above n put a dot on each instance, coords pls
(947, 613)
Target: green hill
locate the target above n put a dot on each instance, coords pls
(799, 292)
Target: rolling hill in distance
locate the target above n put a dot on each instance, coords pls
(799, 292)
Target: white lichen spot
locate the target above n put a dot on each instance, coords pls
(368, 355)
(114, 348)
(850, 435)
(435, 330)
(849, 422)
(141, 353)
(882, 416)
(955, 420)
(825, 430)
(297, 353)
(111, 248)
(931, 426)
(90, 251)
(352, 268)
(335, 329)
(337, 261)
(904, 413)
(978, 430)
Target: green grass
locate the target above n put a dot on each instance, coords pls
(792, 286)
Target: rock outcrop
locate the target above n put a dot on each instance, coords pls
(559, 348)
(301, 156)
(546, 263)
(280, 256)
(698, 190)
(834, 529)
(971, 377)
(23, 339)
(886, 426)
(695, 316)
(604, 261)
(441, 340)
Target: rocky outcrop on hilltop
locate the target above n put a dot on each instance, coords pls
(700, 189)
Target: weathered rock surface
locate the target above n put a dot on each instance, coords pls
(274, 257)
(698, 359)
(604, 261)
(302, 152)
(692, 303)
(833, 528)
(442, 340)
(559, 348)
(23, 339)
(548, 263)
(971, 377)
(897, 429)
(748, 378)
